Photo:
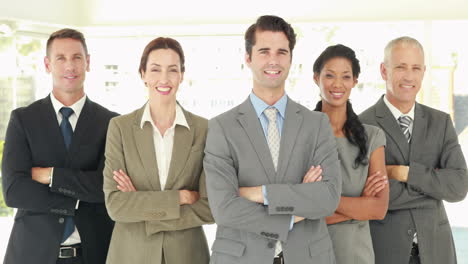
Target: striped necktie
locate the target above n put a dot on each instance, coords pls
(405, 122)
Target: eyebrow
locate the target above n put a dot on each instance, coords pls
(155, 64)
(334, 71)
(267, 49)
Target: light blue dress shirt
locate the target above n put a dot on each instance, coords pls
(260, 106)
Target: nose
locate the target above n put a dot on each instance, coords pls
(164, 77)
(337, 83)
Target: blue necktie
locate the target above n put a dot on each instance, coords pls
(67, 133)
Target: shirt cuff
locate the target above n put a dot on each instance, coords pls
(78, 203)
(265, 199)
(51, 176)
(292, 223)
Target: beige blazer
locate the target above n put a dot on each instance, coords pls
(150, 222)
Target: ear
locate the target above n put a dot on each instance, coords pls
(47, 64)
(316, 79)
(383, 71)
(88, 59)
(355, 81)
(248, 59)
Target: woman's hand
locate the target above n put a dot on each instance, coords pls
(188, 197)
(124, 183)
(314, 174)
(374, 184)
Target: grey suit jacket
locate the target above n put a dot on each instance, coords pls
(437, 173)
(237, 155)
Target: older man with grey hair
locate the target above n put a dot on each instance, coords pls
(425, 164)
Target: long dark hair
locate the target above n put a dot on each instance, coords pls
(353, 128)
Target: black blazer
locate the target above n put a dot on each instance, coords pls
(34, 139)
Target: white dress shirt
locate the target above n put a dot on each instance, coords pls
(163, 144)
(74, 238)
(397, 113)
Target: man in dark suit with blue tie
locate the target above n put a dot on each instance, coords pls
(52, 166)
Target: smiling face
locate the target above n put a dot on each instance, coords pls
(163, 75)
(270, 60)
(403, 73)
(68, 63)
(335, 81)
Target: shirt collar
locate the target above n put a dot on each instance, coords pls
(259, 105)
(77, 106)
(395, 112)
(179, 117)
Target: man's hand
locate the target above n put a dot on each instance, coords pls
(188, 197)
(374, 184)
(298, 218)
(253, 194)
(314, 174)
(398, 172)
(41, 175)
(124, 184)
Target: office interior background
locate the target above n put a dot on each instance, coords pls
(217, 78)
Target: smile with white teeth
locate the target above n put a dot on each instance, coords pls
(70, 77)
(163, 89)
(272, 72)
(407, 86)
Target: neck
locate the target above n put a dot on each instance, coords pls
(403, 106)
(163, 115)
(68, 99)
(268, 95)
(337, 116)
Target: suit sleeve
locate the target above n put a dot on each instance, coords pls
(80, 184)
(136, 206)
(191, 215)
(19, 189)
(449, 181)
(317, 199)
(228, 208)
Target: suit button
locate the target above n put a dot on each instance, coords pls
(61, 220)
(271, 244)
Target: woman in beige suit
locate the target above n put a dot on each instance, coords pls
(154, 182)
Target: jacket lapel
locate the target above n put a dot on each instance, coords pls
(145, 146)
(48, 119)
(183, 140)
(250, 123)
(80, 134)
(391, 128)
(292, 125)
(419, 129)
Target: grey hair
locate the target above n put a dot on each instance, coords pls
(405, 40)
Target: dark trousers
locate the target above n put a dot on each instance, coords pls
(75, 260)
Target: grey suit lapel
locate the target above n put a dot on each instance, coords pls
(418, 135)
(292, 125)
(183, 138)
(389, 124)
(249, 121)
(145, 146)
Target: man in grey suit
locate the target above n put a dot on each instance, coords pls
(257, 157)
(425, 164)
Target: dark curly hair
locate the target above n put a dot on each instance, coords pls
(353, 128)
